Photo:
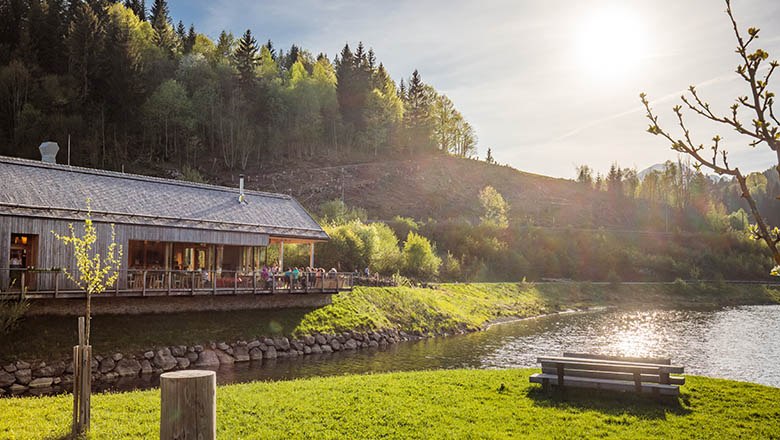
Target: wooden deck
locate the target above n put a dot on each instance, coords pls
(48, 284)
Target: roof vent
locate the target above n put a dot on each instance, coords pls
(241, 196)
(49, 152)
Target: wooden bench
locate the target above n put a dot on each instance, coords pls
(641, 375)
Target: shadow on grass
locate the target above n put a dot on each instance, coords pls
(612, 403)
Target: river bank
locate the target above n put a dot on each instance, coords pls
(365, 318)
(436, 404)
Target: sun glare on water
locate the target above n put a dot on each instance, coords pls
(610, 42)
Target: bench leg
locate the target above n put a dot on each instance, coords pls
(546, 386)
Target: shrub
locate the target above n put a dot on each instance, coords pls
(11, 312)
(419, 258)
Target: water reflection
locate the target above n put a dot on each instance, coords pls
(741, 343)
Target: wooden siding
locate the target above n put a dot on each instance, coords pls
(53, 254)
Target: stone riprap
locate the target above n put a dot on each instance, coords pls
(50, 377)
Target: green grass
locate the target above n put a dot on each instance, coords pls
(452, 306)
(424, 405)
(446, 308)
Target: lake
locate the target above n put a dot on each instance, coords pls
(740, 343)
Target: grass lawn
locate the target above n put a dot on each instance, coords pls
(425, 405)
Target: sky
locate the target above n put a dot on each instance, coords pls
(547, 85)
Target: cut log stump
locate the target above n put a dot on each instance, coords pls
(188, 408)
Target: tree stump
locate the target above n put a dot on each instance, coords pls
(188, 408)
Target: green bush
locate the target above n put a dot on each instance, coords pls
(11, 312)
(419, 258)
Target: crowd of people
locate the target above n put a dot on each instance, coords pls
(295, 277)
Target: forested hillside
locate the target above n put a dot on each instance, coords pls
(389, 168)
(129, 88)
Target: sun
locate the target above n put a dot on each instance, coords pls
(611, 42)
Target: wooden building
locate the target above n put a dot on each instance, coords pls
(177, 237)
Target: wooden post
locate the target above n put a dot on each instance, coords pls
(192, 283)
(143, 283)
(311, 255)
(235, 282)
(82, 383)
(281, 255)
(22, 287)
(56, 284)
(188, 405)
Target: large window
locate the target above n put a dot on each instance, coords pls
(147, 255)
(193, 256)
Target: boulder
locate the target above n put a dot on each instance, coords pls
(262, 347)
(41, 382)
(207, 358)
(163, 359)
(67, 379)
(309, 340)
(269, 342)
(282, 343)
(23, 375)
(6, 378)
(306, 349)
(17, 388)
(22, 365)
(117, 357)
(255, 354)
(182, 362)
(108, 377)
(316, 349)
(178, 350)
(149, 355)
(351, 344)
(192, 356)
(10, 368)
(222, 346)
(198, 348)
(241, 353)
(107, 365)
(335, 344)
(296, 345)
(270, 353)
(224, 358)
(253, 344)
(146, 367)
(94, 365)
(320, 339)
(127, 367)
(325, 348)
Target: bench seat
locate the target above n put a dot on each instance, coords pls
(607, 384)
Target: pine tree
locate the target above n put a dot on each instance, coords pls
(12, 13)
(52, 53)
(181, 33)
(292, 57)
(245, 58)
(164, 35)
(224, 52)
(270, 46)
(189, 41)
(418, 115)
(138, 7)
(84, 45)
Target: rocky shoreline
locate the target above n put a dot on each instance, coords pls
(41, 378)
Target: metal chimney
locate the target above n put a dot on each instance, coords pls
(49, 152)
(241, 197)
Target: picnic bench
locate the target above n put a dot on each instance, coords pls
(641, 375)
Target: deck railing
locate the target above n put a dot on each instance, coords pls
(159, 282)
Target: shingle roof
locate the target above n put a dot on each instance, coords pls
(51, 190)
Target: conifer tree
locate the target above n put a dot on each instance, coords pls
(418, 115)
(189, 41)
(12, 13)
(224, 50)
(270, 46)
(84, 45)
(245, 58)
(138, 7)
(164, 35)
(52, 54)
